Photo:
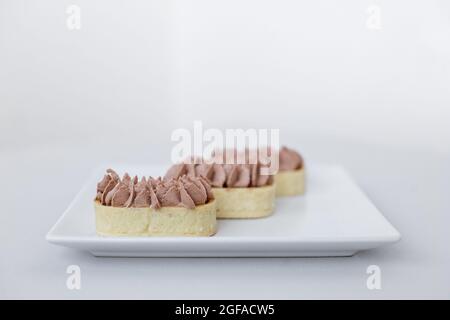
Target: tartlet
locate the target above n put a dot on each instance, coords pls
(290, 179)
(152, 207)
(239, 189)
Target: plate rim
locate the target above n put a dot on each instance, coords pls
(73, 241)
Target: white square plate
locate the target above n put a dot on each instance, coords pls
(333, 218)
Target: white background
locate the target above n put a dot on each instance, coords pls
(137, 70)
(376, 101)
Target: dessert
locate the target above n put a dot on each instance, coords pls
(126, 206)
(290, 179)
(239, 189)
(289, 172)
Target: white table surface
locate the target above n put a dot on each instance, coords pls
(411, 188)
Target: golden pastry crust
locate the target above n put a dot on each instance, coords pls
(290, 183)
(165, 221)
(241, 203)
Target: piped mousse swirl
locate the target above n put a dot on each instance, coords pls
(289, 160)
(222, 175)
(182, 191)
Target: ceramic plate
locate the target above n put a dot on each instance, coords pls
(333, 218)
